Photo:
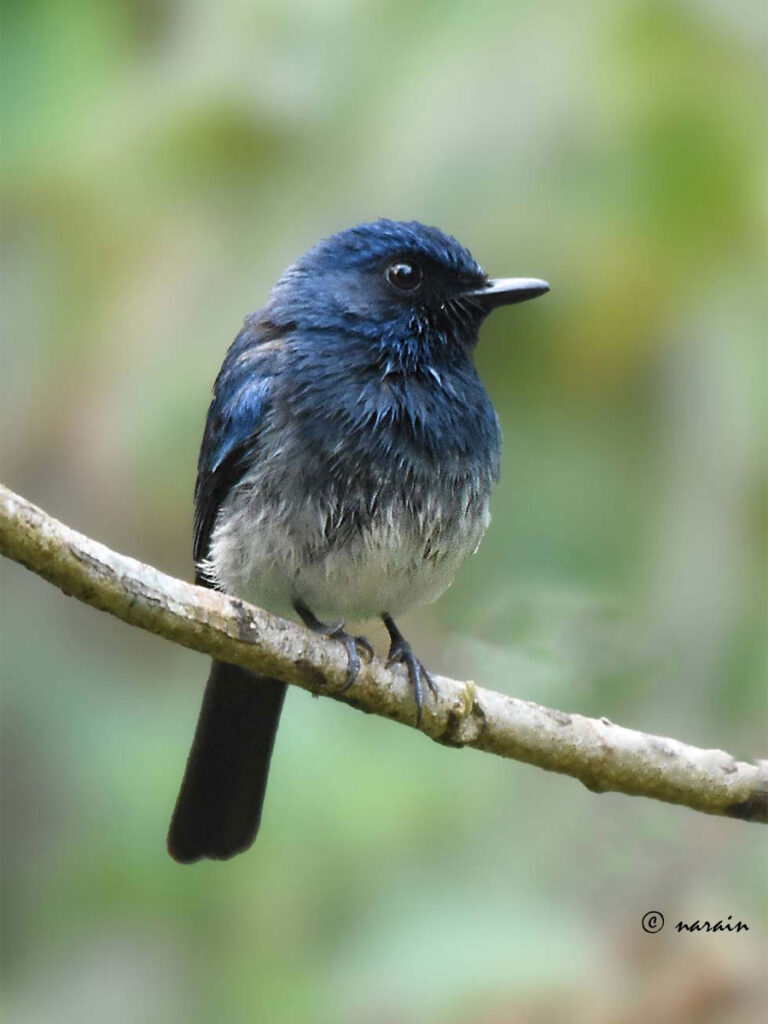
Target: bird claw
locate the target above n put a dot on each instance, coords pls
(401, 653)
(361, 642)
(353, 644)
(336, 631)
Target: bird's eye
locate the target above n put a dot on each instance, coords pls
(404, 276)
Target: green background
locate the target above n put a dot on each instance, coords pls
(162, 163)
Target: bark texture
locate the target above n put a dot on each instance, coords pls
(603, 756)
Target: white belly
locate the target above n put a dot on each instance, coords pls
(272, 558)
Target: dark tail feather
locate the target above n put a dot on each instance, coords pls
(219, 805)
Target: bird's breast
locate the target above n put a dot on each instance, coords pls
(358, 507)
(375, 545)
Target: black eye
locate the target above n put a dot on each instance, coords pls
(404, 276)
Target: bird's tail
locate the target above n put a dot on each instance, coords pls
(218, 809)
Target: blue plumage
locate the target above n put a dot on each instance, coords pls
(346, 469)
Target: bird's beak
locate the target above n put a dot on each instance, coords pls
(504, 291)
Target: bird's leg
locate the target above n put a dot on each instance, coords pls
(336, 631)
(400, 653)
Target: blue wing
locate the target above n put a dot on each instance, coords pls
(236, 416)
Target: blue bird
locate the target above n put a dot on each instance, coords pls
(345, 472)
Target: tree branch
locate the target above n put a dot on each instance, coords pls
(600, 754)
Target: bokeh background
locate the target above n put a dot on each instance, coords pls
(162, 163)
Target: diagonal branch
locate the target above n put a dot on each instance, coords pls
(600, 754)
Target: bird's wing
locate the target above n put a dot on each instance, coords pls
(241, 398)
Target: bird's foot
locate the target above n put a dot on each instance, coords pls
(401, 653)
(336, 631)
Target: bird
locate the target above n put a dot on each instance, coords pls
(345, 471)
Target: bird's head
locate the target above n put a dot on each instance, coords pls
(398, 283)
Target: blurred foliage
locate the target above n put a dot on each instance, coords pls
(161, 164)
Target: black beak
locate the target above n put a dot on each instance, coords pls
(504, 291)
